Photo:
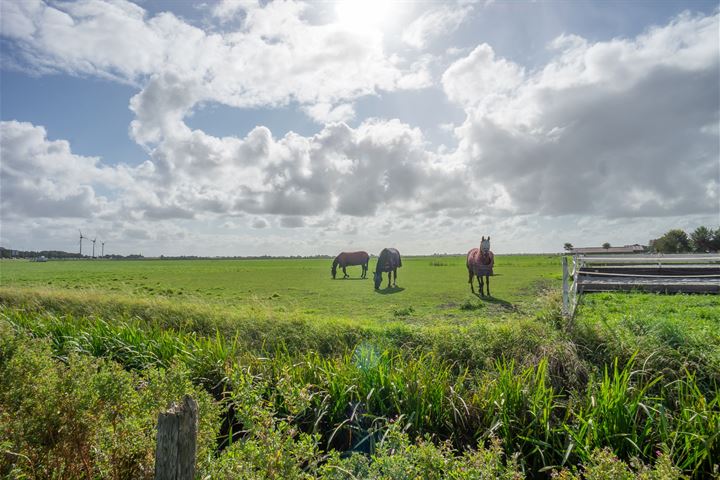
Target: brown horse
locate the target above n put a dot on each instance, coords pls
(480, 262)
(346, 259)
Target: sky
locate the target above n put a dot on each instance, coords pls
(299, 128)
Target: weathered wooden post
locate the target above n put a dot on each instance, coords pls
(565, 287)
(177, 441)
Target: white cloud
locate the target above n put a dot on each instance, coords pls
(439, 21)
(226, 10)
(419, 75)
(327, 113)
(356, 172)
(274, 58)
(623, 128)
(43, 178)
(481, 78)
(613, 128)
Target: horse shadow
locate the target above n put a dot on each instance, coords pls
(351, 278)
(496, 301)
(390, 290)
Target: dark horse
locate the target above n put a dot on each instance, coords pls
(350, 258)
(388, 261)
(480, 262)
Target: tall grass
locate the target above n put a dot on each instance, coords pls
(353, 398)
(670, 334)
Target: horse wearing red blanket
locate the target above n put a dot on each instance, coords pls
(480, 262)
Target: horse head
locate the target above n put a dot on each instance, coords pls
(378, 279)
(485, 245)
(333, 269)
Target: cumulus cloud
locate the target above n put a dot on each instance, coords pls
(83, 37)
(627, 127)
(226, 10)
(378, 166)
(43, 178)
(326, 113)
(259, 223)
(274, 58)
(434, 23)
(481, 78)
(351, 171)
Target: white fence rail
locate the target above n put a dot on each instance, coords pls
(657, 259)
(679, 273)
(570, 286)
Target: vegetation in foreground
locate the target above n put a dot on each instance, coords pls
(628, 391)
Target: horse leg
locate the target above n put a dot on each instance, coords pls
(345, 275)
(480, 282)
(395, 279)
(487, 280)
(470, 281)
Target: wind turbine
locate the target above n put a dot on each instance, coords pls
(103, 249)
(81, 239)
(93, 240)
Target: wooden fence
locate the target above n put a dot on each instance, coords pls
(177, 441)
(680, 273)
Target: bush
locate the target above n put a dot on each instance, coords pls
(86, 417)
(603, 464)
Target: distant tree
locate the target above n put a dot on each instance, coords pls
(674, 241)
(715, 241)
(568, 246)
(701, 240)
(606, 245)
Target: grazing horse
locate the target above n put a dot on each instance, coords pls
(350, 258)
(388, 261)
(480, 262)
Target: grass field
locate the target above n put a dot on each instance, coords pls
(292, 368)
(434, 287)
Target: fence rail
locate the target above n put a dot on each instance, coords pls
(656, 259)
(673, 273)
(570, 287)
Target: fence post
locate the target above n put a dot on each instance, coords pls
(565, 287)
(177, 441)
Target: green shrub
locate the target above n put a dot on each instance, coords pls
(603, 465)
(85, 417)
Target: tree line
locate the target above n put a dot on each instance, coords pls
(700, 240)
(57, 254)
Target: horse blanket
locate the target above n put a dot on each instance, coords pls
(388, 260)
(480, 263)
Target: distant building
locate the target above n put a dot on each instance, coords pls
(612, 250)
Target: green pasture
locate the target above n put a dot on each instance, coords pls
(428, 288)
(303, 376)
